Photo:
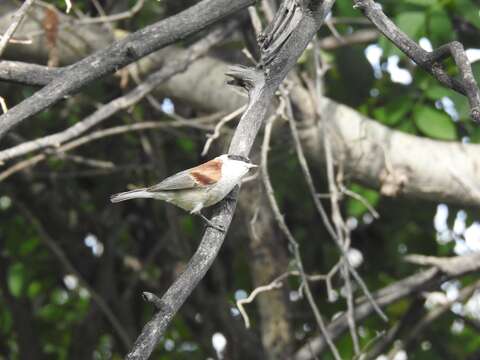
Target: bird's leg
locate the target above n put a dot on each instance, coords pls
(196, 211)
(231, 196)
(220, 228)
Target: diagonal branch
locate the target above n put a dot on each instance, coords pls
(16, 19)
(261, 86)
(121, 53)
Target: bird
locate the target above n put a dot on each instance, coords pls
(198, 187)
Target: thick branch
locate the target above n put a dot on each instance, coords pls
(395, 162)
(174, 64)
(121, 53)
(28, 74)
(371, 153)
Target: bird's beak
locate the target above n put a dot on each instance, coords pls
(251, 166)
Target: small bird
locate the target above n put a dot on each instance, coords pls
(198, 187)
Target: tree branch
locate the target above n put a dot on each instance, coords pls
(390, 294)
(173, 64)
(429, 61)
(16, 19)
(121, 53)
(261, 85)
(366, 148)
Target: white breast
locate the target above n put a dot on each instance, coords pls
(232, 173)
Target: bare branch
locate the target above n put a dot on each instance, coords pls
(172, 66)
(406, 287)
(28, 74)
(220, 124)
(16, 19)
(121, 53)
(293, 243)
(429, 61)
(21, 165)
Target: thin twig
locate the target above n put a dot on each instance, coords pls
(294, 245)
(343, 238)
(275, 284)
(218, 127)
(3, 105)
(16, 19)
(21, 165)
(360, 198)
(358, 279)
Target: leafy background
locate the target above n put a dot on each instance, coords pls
(121, 251)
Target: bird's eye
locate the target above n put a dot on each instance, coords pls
(239, 158)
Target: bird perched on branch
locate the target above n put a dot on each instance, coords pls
(196, 188)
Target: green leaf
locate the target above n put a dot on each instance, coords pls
(469, 11)
(186, 144)
(434, 123)
(16, 279)
(34, 289)
(440, 27)
(475, 136)
(392, 113)
(427, 3)
(436, 92)
(355, 207)
(412, 23)
(28, 246)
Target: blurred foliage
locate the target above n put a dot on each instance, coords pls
(145, 244)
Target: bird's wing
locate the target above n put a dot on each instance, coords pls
(204, 175)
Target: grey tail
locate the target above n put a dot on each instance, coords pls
(133, 194)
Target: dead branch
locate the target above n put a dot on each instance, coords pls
(172, 66)
(121, 53)
(16, 19)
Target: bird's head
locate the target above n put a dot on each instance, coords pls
(235, 165)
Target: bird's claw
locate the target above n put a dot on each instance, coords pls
(220, 228)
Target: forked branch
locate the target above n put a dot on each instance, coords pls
(429, 61)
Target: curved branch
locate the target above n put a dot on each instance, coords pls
(429, 61)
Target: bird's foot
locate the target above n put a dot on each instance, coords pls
(231, 197)
(220, 228)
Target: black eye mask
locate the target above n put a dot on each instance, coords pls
(239, 158)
